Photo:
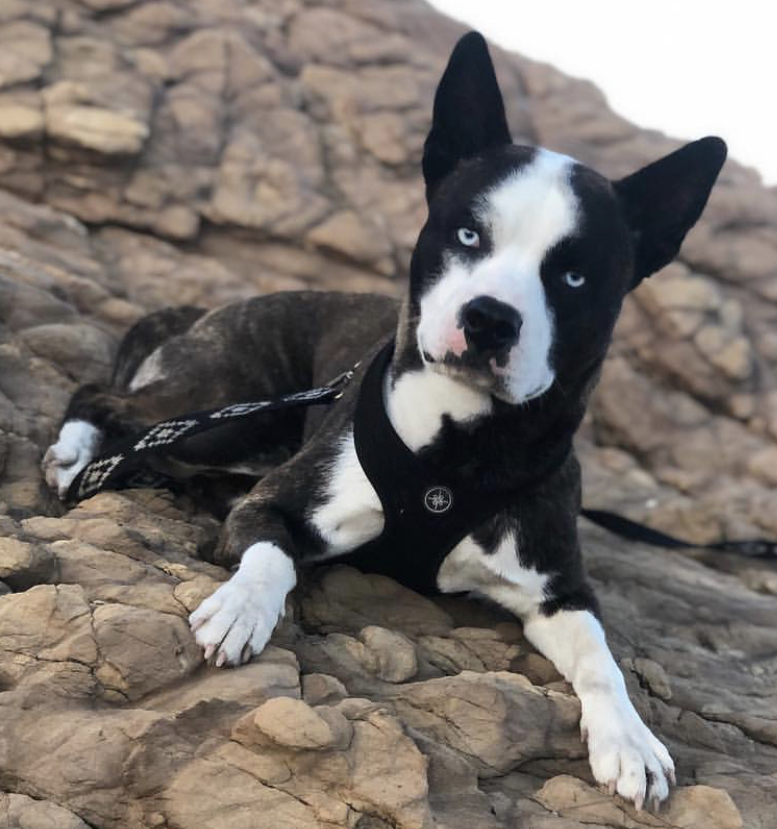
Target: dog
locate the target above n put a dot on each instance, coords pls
(461, 412)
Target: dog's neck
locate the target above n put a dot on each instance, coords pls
(417, 400)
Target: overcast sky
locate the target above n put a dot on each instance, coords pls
(688, 68)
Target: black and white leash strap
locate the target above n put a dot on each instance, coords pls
(127, 458)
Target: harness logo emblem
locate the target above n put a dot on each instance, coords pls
(438, 499)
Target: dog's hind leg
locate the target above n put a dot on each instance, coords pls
(97, 412)
(142, 340)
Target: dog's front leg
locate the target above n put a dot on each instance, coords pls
(623, 753)
(239, 618)
(558, 615)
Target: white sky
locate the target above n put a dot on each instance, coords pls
(687, 68)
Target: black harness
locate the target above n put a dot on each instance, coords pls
(428, 508)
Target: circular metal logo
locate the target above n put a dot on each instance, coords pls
(438, 499)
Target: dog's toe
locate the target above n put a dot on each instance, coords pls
(628, 759)
(234, 623)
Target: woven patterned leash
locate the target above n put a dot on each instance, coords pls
(128, 457)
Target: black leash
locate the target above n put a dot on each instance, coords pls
(127, 459)
(634, 531)
(126, 464)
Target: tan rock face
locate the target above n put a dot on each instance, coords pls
(689, 807)
(18, 810)
(162, 152)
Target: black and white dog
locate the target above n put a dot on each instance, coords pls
(516, 282)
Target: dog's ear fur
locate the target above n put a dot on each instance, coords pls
(469, 115)
(664, 200)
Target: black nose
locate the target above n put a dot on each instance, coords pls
(490, 326)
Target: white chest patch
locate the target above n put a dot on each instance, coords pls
(499, 576)
(351, 514)
(418, 400)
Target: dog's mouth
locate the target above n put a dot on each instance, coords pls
(478, 373)
(482, 374)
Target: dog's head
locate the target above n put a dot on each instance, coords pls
(521, 268)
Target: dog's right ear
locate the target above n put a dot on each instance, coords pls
(664, 200)
(469, 115)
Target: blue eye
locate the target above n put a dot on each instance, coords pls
(573, 279)
(468, 238)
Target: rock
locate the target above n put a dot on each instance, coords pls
(693, 806)
(732, 356)
(655, 677)
(71, 347)
(450, 655)
(346, 233)
(488, 646)
(395, 654)
(46, 623)
(105, 5)
(18, 810)
(25, 49)
(322, 689)
(18, 120)
(96, 129)
(23, 565)
(570, 797)
(493, 718)
(536, 668)
(294, 724)
(690, 807)
(763, 465)
(141, 651)
(346, 598)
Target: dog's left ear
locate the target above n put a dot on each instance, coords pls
(664, 200)
(469, 115)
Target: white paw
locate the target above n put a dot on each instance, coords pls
(234, 623)
(76, 445)
(239, 618)
(623, 753)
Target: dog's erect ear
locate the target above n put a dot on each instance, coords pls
(469, 116)
(664, 200)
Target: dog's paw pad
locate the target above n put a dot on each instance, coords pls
(626, 758)
(76, 446)
(235, 622)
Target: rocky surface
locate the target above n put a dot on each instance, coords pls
(159, 152)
